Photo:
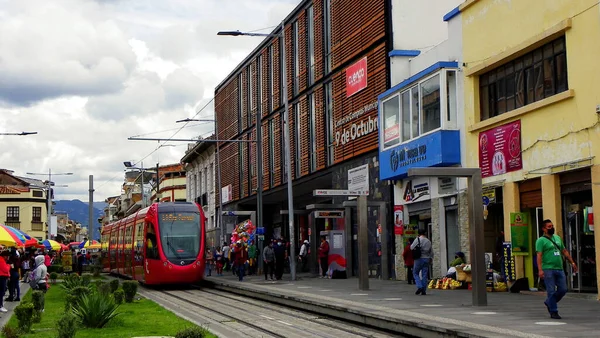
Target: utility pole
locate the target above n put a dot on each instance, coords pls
(91, 208)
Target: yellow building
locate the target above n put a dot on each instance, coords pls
(23, 204)
(532, 79)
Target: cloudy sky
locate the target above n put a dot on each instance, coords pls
(86, 75)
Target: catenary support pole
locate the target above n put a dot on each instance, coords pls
(363, 243)
(91, 208)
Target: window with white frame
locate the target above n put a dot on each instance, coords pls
(421, 108)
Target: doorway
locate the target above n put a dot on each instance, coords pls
(452, 233)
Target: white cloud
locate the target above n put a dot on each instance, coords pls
(89, 74)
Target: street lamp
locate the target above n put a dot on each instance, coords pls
(23, 133)
(286, 132)
(49, 194)
(129, 165)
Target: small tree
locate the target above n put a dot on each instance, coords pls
(24, 314)
(67, 325)
(130, 289)
(114, 285)
(53, 277)
(193, 332)
(38, 305)
(119, 296)
(10, 332)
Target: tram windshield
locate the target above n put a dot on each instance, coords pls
(180, 234)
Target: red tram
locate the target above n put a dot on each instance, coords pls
(161, 244)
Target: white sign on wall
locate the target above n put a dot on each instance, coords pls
(226, 193)
(358, 178)
(416, 190)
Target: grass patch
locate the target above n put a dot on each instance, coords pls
(61, 277)
(140, 318)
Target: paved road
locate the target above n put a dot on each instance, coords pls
(229, 315)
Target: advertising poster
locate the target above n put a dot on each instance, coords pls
(398, 219)
(519, 233)
(67, 261)
(508, 268)
(410, 231)
(500, 150)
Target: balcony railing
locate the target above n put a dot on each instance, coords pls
(37, 226)
(14, 224)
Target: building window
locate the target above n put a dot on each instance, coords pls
(312, 133)
(327, 33)
(430, 103)
(419, 109)
(271, 79)
(297, 139)
(250, 95)
(329, 123)
(296, 55)
(241, 164)
(284, 131)
(311, 45)
(282, 85)
(12, 214)
(249, 146)
(240, 101)
(391, 128)
(37, 214)
(272, 152)
(38, 193)
(259, 64)
(532, 77)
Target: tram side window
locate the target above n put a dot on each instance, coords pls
(151, 246)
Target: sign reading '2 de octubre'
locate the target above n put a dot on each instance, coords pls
(356, 77)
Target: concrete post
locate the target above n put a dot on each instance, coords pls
(512, 203)
(363, 244)
(478, 268)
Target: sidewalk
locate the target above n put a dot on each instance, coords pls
(393, 305)
(10, 306)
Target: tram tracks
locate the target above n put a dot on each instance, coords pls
(230, 315)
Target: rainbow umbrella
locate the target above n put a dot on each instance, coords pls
(50, 244)
(23, 236)
(9, 238)
(87, 243)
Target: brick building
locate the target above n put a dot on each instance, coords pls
(336, 59)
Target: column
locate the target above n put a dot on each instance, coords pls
(512, 203)
(596, 201)
(551, 201)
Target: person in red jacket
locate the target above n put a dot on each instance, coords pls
(409, 262)
(324, 256)
(4, 275)
(241, 257)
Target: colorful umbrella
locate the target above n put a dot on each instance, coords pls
(50, 244)
(9, 238)
(27, 240)
(87, 243)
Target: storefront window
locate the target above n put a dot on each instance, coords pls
(391, 130)
(406, 117)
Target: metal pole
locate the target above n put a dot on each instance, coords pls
(477, 240)
(49, 206)
(363, 243)
(259, 162)
(91, 208)
(157, 183)
(143, 197)
(288, 161)
(218, 160)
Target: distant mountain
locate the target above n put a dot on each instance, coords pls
(78, 212)
(99, 205)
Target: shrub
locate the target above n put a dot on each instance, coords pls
(70, 301)
(53, 277)
(87, 279)
(75, 295)
(193, 332)
(55, 268)
(103, 288)
(66, 325)
(130, 288)
(119, 296)
(10, 332)
(95, 310)
(72, 281)
(114, 285)
(38, 305)
(24, 314)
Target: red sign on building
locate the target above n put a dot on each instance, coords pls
(356, 77)
(500, 150)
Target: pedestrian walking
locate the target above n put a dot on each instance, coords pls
(208, 261)
(219, 262)
(409, 262)
(422, 254)
(4, 276)
(280, 254)
(303, 256)
(241, 258)
(226, 250)
(14, 288)
(269, 259)
(324, 256)
(550, 251)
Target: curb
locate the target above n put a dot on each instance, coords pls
(381, 321)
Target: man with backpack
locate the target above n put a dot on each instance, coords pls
(422, 254)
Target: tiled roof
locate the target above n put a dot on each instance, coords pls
(8, 190)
